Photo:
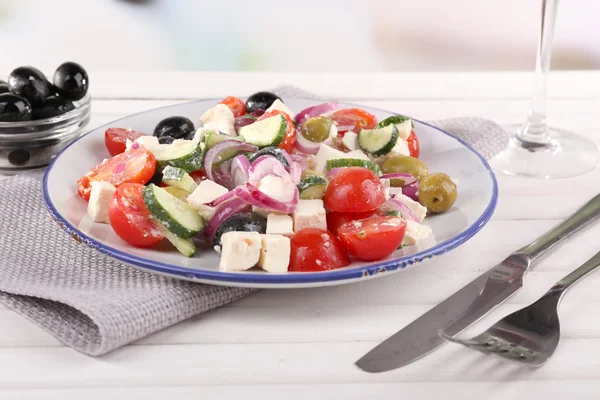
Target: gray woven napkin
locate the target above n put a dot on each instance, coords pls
(95, 304)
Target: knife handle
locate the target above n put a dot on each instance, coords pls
(583, 217)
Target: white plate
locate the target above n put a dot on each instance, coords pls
(441, 152)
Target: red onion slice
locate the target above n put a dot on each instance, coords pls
(253, 196)
(345, 128)
(263, 166)
(221, 199)
(240, 170)
(212, 155)
(223, 212)
(247, 119)
(315, 111)
(296, 172)
(411, 190)
(333, 172)
(393, 204)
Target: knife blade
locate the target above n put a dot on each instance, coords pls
(472, 302)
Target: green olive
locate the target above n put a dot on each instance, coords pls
(317, 129)
(405, 164)
(437, 192)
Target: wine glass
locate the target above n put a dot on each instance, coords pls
(537, 150)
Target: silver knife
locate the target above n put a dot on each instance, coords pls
(473, 301)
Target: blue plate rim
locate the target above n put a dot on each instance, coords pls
(241, 278)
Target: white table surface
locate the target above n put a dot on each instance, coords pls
(300, 344)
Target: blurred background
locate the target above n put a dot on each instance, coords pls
(302, 36)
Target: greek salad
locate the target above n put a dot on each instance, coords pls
(269, 188)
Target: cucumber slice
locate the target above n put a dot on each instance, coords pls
(268, 132)
(352, 162)
(176, 215)
(312, 187)
(186, 155)
(178, 192)
(184, 246)
(393, 213)
(378, 141)
(394, 120)
(173, 176)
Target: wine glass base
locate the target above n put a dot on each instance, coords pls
(566, 155)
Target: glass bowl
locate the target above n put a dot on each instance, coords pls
(29, 145)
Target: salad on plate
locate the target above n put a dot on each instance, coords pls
(269, 188)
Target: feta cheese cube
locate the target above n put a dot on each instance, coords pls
(240, 250)
(199, 134)
(147, 142)
(415, 232)
(310, 214)
(219, 118)
(357, 154)
(395, 191)
(101, 196)
(400, 148)
(280, 224)
(386, 187)
(275, 187)
(326, 153)
(350, 140)
(206, 192)
(275, 253)
(404, 129)
(415, 207)
(280, 106)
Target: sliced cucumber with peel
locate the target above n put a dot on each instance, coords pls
(378, 141)
(186, 155)
(176, 215)
(177, 177)
(312, 187)
(267, 132)
(352, 162)
(178, 192)
(394, 120)
(187, 247)
(212, 138)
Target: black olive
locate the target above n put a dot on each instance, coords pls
(156, 178)
(166, 139)
(244, 222)
(53, 107)
(262, 100)
(30, 83)
(270, 151)
(3, 82)
(4, 88)
(71, 81)
(177, 127)
(14, 108)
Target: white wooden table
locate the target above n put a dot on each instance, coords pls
(300, 344)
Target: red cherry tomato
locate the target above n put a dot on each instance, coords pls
(413, 145)
(235, 104)
(133, 166)
(373, 238)
(337, 219)
(353, 117)
(289, 141)
(199, 176)
(354, 189)
(314, 249)
(130, 218)
(115, 139)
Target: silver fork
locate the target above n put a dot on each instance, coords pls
(531, 334)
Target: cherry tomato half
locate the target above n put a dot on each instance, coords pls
(235, 104)
(133, 166)
(116, 138)
(353, 117)
(354, 189)
(199, 176)
(413, 145)
(289, 141)
(314, 249)
(373, 238)
(130, 218)
(337, 219)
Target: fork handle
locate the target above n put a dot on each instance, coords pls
(583, 217)
(581, 272)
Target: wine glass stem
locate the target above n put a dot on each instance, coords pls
(535, 130)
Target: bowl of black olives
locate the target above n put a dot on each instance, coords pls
(39, 115)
